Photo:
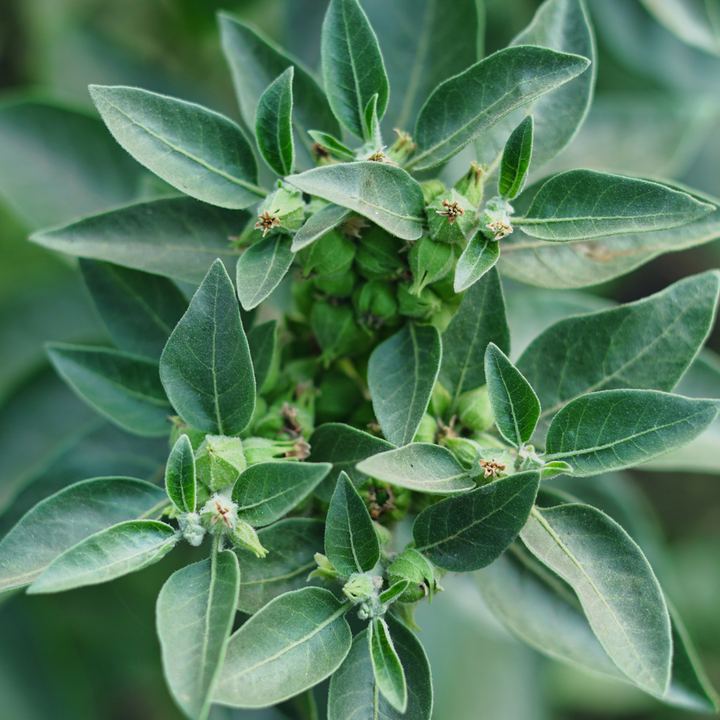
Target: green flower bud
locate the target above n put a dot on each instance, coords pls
(340, 285)
(450, 217)
(359, 588)
(219, 461)
(281, 211)
(375, 303)
(219, 515)
(470, 185)
(417, 306)
(474, 409)
(332, 254)
(384, 535)
(495, 221)
(260, 449)
(486, 440)
(432, 189)
(429, 261)
(339, 395)
(402, 148)
(411, 565)
(337, 332)
(180, 428)
(191, 528)
(440, 400)
(465, 450)
(492, 464)
(378, 254)
(324, 569)
(427, 430)
(245, 538)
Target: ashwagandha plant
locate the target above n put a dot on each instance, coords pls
(374, 399)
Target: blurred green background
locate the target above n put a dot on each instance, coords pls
(91, 654)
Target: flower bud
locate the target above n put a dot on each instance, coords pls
(470, 185)
(281, 211)
(191, 528)
(378, 254)
(339, 395)
(427, 429)
(486, 440)
(375, 303)
(411, 565)
(340, 285)
(474, 409)
(180, 428)
(336, 330)
(324, 569)
(219, 515)
(464, 449)
(440, 400)
(417, 306)
(429, 261)
(359, 587)
(245, 537)
(332, 254)
(432, 189)
(450, 217)
(219, 461)
(495, 221)
(384, 535)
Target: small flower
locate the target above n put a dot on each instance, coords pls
(266, 222)
(452, 211)
(500, 228)
(492, 468)
(380, 156)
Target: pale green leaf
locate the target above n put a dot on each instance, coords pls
(332, 144)
(317, 225)
(273, 124)
(180, 481)
(261, 268)
(478, 257)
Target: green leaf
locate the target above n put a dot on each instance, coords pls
(615, 429)
(470, 531)
(180, 480)
(206, 367)
(479, 255)
(261, 268)
(469, 104)
(262, 342)
(139, 310)
(255, 61)
(354, 694)
(393, 592)
(427, 468)
(291, 545)
(647, 344)
(615, 584)
(332, 144)
(351, 543)
(125, 388)
(317, 225)
(267, 491)
(479, 320)
(353, 69)
(111, 553)
(516, 159)
(695, 23)
(217, 165)
(67, 518)
(515, 405)
(401, 374)
(387, 668)
(41, 142)
(293, 643)
(585, 204)
(195, 613)
(383, 193)
(176, 237)
(372, 123)
(273, 124)
(585, 263)
(344, 447)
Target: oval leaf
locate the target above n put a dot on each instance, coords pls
(516, 159)
(293, 643)
(195, 613)
(111, 553)
(332, 144)
(262, 341)
(383, 193)
(180, 480)
(261, 268)
(479, 255)
(273, 124)
(426, 468)
(401, 375)
(217, 166)
(317, 225)
(387, 668)
(206, 367)
(470, 531)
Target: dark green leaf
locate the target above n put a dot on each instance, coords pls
(351, 543)
(176, 237)
(515, 405)
(516, 159)
(67, 518)
(332, 144)
(111, 553)
(467, 105)
(401, 375)
(615, 584)
(139, 310)
(180, 481)
(206, 367)
(317, 225)
(615, 429)
(294, 642)
(646, 344)
(261, 268)
(585, 204)
(195, 613)
(255, 61)
(470, 531)
(353, 69)
(291, 545)
(480, 320)
(354, 695)
(344, 447)
(479, 255)
(267, 491)
(273, 124)
(262, 341)
(387, 668)
(383, 193)
(216, 165)
(427, 468)
(125, 388)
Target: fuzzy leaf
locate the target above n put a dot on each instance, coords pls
(387, 668)
(478, 257)
(273, 124)
(261, 268)
(262, 342)
(516, 159)
(180, 481)
(317, 225)
(332, 144)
